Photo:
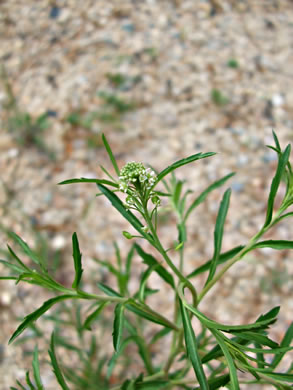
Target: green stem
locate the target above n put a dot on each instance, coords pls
(157, 244)
(236, 258)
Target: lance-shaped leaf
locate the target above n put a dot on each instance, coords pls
(180, 163)
(140, 309)
(284, 343)
(151, 261)
(29, 319)
(283, 160)
(274, 244)
(36, 370)
(56, 369)
(201, 198)
(191, 347)
(222, 259)
(110, 154)
(118, 325)
(218, 233)
(85, 180)
(91, 318)
(77, 261)
(128, 215)
(26, 249)
(229, 359)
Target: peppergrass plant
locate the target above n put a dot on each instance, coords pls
(209, 359)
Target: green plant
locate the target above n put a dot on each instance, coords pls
(26, 130)
(218, 352)
(233, 63)
(218, 97)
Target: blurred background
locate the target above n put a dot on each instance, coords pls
(162, 79)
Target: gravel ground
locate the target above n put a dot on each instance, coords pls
(196, 76)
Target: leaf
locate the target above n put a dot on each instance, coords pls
(140, 309)
(151, 385)
(12, 266)
(56, 369)
(218, 233)
(151, 261)
(284, 343)
(29, 319)
(116, 202)
(278, 146)
(274, 244)
(143, 281)
(205, 193)
(118, 325)
(283, 160)
(85, 180)
(180, 163)
(36, 370)
(77, 261)
(26, 249)
(229, 359)
(28, 381)
(91, 318)
(21, 264)
(222, 259)
(110, 154)
(163, 332)
(259, 338)
(191, 347)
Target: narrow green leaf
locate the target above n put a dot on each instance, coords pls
(20, 385)
(92, 317)
(259, 338)
(182, 162)
(229, 359)
(278, 146)
(29, 319)
(143, 281)
(56, 369)
(36, 370)
(218, 233)
(28, 381)
(222, 259)
(128, 215)
(274, 244)
(201, 198)
(12, 266)
(177, 192)
(26, 249)
(107, 173)
(217, 382)
(140, 309)
(85, 180)
(151, 261)
(191, 347)
(77, 261)
(110, 154)
(284, 343)
(21, 264)
(283, 160)
(118, 325)
(163, 332)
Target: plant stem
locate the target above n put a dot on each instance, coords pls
(236, 258)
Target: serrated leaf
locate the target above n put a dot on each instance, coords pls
(284, 343)
(283, 160)
(118, 325)
(89, 320)
(29, 319)
(191, 347)
(36, 370)
(201, 198)
(110, 154)
(86, 180)
(229, 359)
(128, 215)
(77, 261)
(180, 163)
(151, 261)
(222, 259)
(218, 233)
(56, 369)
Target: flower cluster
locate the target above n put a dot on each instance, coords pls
(135, 174)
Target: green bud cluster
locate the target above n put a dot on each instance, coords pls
(133, 173)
